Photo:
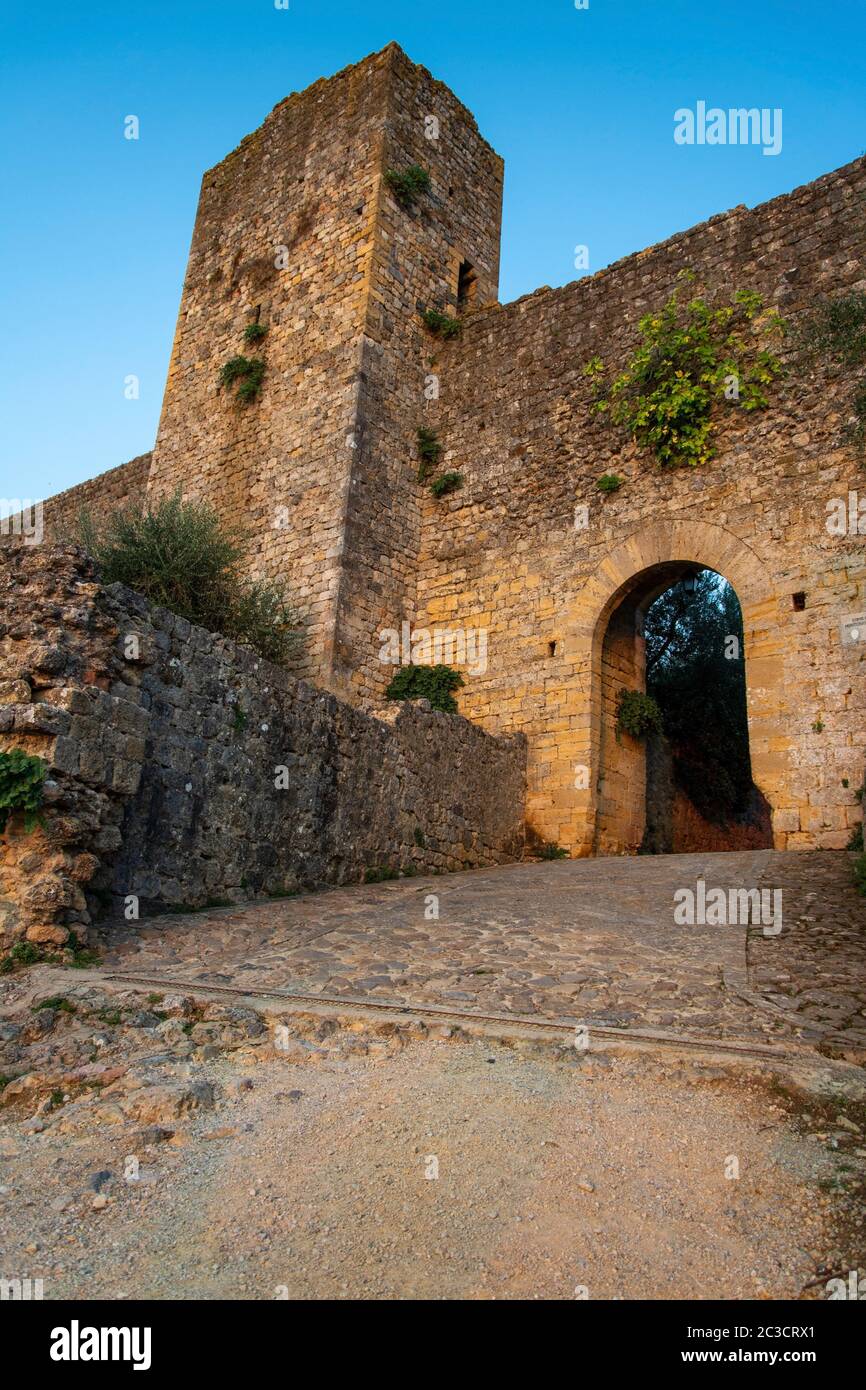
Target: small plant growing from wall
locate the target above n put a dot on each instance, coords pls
(691, 357)
(551, 850)
(638, 714)
(248, 372)
(408, 185)
(610, 482)
(429, 450)
(441, 325)
(447, 482)
(433, 683)
(254, 332)
(835, 330)
(22, 787)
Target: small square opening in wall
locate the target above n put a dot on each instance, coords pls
(799, 601)
(551, 649)
(467, 282)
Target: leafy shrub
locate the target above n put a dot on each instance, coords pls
(433, 683)
(254, 332)
(408, 185)
(248, 371)
(688, 359)
(447, 482)
(441, 325)
(638, 714)
(22, 786)
(180, 555)
(610, 482)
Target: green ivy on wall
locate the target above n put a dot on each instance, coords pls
(691, 356)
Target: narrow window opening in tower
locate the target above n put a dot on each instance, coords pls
(467, 282)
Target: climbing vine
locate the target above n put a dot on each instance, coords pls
(691, 356)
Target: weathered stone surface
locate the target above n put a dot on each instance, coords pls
(299, 230)
(207, 773)
(591, 941)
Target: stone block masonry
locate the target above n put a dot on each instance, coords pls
(299, 230)
(562, 590)
(183, 769)
(123, 486)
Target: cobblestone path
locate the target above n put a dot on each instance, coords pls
(588, 940)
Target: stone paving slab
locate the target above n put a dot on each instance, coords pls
(593, 940)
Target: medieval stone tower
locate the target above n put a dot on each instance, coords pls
(300, 231)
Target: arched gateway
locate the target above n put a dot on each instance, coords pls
(516, 550)
(604, 629)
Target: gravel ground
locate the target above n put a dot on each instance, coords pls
(300, 1170)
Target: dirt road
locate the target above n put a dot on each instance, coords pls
(365, 1161)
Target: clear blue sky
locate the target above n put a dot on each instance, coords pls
(96, 228)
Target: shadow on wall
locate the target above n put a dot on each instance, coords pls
(182, 768)
(674, 825)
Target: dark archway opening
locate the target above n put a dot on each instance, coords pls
(699, 789)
